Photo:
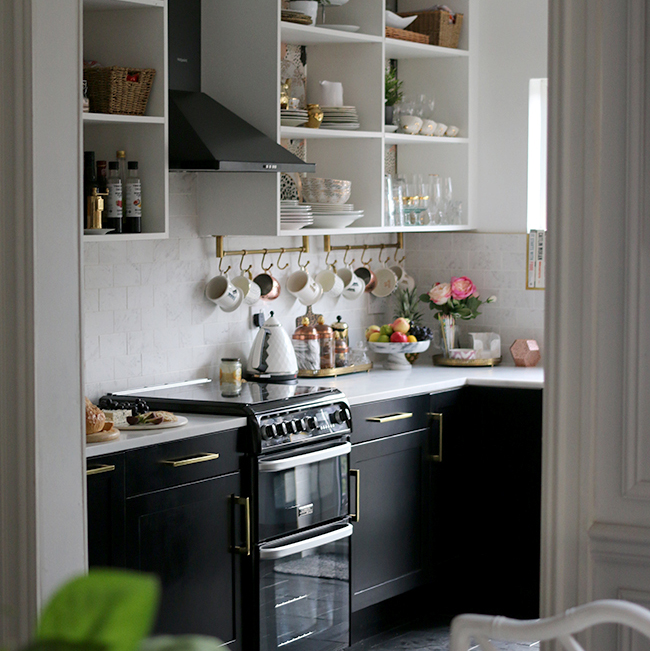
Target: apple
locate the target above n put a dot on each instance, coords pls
(401, 325)
(412, 338)
(386, 329)
(374, 336)
(398, 338)
(370, 330)
(383, 338)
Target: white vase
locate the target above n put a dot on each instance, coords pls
(308, 7)
(448, 330)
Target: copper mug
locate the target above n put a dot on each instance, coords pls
(367, 275)
(269, 286)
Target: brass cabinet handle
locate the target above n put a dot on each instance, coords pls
(390, 417)
(357, 475)
(204, 456)
(99, 469)
(437, 457)
(246, 503)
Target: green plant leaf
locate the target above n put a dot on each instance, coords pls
(111, 608)
(182, 643)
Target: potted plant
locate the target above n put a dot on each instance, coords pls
(394, 94)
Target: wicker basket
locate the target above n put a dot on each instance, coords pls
(438, 26)
(124, 91)
(406, 35)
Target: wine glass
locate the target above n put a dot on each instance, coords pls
(436, 203)
(448, 200)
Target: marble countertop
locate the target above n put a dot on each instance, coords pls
(378, 384)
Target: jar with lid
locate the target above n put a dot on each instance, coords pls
(306, 346)
(342, 328)
(230, 376)
(326, 343)
(341, 349)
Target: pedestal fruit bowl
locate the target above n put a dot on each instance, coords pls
(396, 360)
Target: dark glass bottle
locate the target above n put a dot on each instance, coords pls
(90, 182)
(133, 200)
(113, 214)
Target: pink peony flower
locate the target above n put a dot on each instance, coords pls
(440, 293)
(462, 288)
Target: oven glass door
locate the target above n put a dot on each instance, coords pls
(305, 590)
(302, 490)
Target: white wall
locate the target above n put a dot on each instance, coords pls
(511, 49)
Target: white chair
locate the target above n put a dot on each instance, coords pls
(482, 628)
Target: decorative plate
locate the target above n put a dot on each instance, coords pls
(288, 187)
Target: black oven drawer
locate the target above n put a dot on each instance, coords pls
(373, 420)
(179, 462)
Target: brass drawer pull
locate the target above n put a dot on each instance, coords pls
(98, 470)
(204, 456)
(390, 417)
(246, 503)
(357, 475)
(437, 457)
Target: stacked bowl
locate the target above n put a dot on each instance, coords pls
(327, 198)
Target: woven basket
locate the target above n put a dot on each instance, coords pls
(405, 35)
(438, 26)
(124, 91)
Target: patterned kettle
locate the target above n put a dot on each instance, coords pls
(272, 358)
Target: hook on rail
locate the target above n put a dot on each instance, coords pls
(277, 264)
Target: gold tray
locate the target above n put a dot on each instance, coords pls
(441, 360)
(332, 372)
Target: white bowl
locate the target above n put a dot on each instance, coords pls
(317, 190)
(399, 22)
(396, 347)
(333, 221)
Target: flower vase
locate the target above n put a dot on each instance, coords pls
(448, 330)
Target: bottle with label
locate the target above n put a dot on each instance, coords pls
(133, 200)
(102, 175)
(113, 213)
(306, 345)
(120, 154)
(326, 341)
(90, 182)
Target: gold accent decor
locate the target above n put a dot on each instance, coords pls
(357, 475)
(315, 114)
(246, 503)
(441, 360)
(99, 469)
(390, 417)
(437, 416)
(95, 203)
(333, 372)
(204, 456)
(222, 253)
(327, 245)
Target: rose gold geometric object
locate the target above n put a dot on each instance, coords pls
(525, 352)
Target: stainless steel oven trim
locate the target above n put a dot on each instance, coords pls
(272, 553)
(287, 463)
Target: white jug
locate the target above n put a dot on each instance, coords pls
(331, 93)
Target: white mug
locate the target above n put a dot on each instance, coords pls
(304, 287)
(386, 282)
(330, 282)
(250, 291)
(428, 127)
(353, 286)
(440, 130)
(404, 281)
(222, 292)
(411, 123)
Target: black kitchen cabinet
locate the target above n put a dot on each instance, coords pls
(105, 496)
(486, 503)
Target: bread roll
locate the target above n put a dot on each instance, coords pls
(95, 418)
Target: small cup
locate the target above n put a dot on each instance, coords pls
(386, 282)
(428, 127)
(404, 281)
(250, 290)
(269, 286)
(353, 286)
(452, 132)
(440, 130)
(367, 275)
(411, 123)
(304, 287)
(331, 283)
(222, 292)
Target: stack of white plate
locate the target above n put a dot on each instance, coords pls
(340, 117)
(293, 117)
(294, 215)
(332, 215)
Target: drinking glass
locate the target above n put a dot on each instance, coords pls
(436, 203)
(448, 196)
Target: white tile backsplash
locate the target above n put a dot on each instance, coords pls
(147, 320)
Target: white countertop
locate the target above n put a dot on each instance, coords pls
(197, 424)
(378, 384)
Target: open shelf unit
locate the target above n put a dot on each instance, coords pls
(132, 33)
(243, 73)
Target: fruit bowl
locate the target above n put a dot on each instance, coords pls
(396, 360)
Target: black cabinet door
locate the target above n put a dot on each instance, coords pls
(105, 485)
(487, 488)
(183, 535)
(388, 543)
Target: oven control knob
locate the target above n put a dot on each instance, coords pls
(292, 426)
(338, 417)
(281, 429)
(311, 423)
(302, 424)
(267, 432)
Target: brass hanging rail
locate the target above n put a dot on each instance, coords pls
(221, 253)
(327, 245)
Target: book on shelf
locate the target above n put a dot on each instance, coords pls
(536, 263)
(532, 258)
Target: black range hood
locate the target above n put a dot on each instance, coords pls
(203, 134)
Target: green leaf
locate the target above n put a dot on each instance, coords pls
(182, 643)
(425, 298)
(111, 608)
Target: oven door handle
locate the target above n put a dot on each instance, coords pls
(273, 553)
(302, 459)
